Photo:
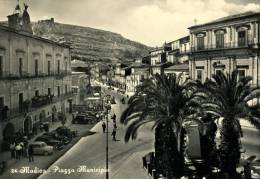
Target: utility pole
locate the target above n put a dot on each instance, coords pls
(108, 107)
(107, 175)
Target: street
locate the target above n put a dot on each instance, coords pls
(90, 152)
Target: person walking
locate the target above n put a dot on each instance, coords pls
(18, 151)
(114, 118)
(31, 153)
(114, 125)
(104, 127)
(12, 149)
(114, 134)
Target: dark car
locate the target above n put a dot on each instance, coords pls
(65, 131)
(86, 118)
(50, 141)
(65, 140)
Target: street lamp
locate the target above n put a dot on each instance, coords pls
(108, 107)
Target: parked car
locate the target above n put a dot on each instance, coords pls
(50, 141)
(121, 91)
(65, 131)
(86, 118)
(41, 148)
(65, 140)
(111, 99)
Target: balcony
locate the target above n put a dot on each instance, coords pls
(242, 44)
(37, 103)
(24, 75)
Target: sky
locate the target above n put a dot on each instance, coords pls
(151, 22)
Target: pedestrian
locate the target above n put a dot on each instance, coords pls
(31, 153)
(114, 134)
(18, 151)
(12, 149)
(115, 126)
(104, 127)
(114, 118)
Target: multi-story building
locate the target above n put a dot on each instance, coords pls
(158, 58)
(119, 75)
(35, 81)
(180, 50)
(139, 72)
(226, 44)
(172, 55)
(184, 49)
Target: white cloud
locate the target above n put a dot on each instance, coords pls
(148, 21)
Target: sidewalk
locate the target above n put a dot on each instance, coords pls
(10, 162)
(133, 163)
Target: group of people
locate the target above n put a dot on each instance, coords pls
(21, 148)
(104, 126)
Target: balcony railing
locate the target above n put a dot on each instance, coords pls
(31, 76)
(244, 44)
(34, 104)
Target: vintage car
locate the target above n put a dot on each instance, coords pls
(41, 148)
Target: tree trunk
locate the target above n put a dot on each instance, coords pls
(229, 147)
(168, 159)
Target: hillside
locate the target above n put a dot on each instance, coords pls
(91, 44)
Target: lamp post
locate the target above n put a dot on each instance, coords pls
(108, 107)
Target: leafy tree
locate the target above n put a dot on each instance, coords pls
(169, 104)
(229, 96)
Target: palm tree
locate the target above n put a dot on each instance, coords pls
(167, 103)
(229, 97)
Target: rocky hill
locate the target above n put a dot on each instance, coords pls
(91, 44)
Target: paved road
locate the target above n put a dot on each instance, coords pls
(90, 152)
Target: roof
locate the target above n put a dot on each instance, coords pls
(6, 28)
(229, 18)
(179, 67)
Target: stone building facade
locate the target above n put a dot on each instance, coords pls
(35, 80)
(226, 44)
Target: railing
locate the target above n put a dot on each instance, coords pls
(244, 44)
(30, 76)
(29, 106)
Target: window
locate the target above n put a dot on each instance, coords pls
(199, 75)
(20, 66)
(20, 102)
(36, 68)
(49, 67)
(254, 30)
(66, 89)
(1, 66)
(185, 48)
(58, 67)
(58, 88)
(49, 91)
(219, 39)
(241, 38)
(218, 71)
(230, 34)
(241, 74)
(2, 102)
(66, 66)
(37, 93)
(200, 42)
